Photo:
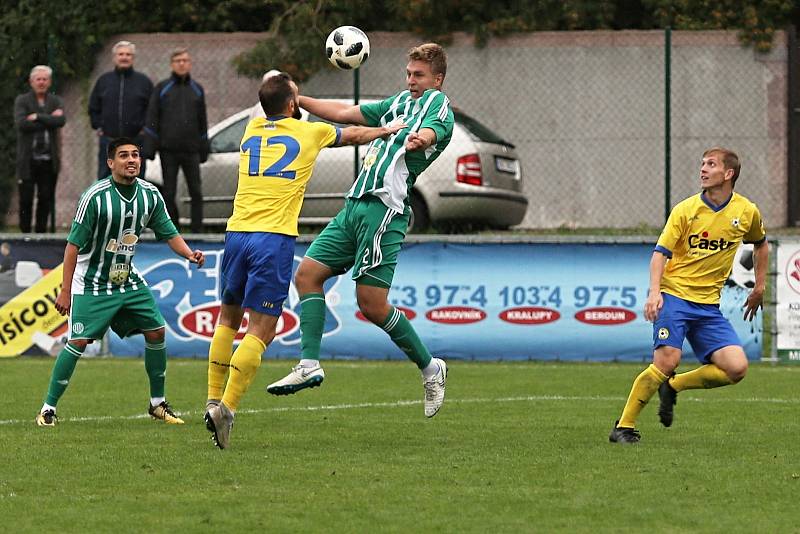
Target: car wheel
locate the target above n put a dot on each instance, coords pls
(420, 219)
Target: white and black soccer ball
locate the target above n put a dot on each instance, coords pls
(743, 273)
(347, 47)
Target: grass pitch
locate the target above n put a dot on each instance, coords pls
(517, 447)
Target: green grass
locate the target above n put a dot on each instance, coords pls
(517, 447)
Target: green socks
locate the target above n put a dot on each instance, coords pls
(312, 322)
(62, 372)
(404, 336)
(155, 363)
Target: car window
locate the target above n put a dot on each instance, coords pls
(477, 131)
(228, 139)
(314, 118)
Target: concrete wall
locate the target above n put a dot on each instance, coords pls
(585, 109)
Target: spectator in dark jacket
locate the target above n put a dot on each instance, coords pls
(118, 104)
(38, 115)
(178, 128)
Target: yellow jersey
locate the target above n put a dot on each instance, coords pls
(276, 157)
(700, 240)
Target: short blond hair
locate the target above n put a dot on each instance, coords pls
(729, 159)
(178, 52)
(430, 53)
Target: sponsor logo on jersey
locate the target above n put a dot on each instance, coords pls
(118, 274)
(703, 242)
(370, 158)
(456, 315)
(605, 315)
(126, 245)
(529, 315)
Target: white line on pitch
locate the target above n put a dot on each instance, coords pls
(400, 404)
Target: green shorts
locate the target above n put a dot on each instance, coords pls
(126, 313)
(367, 236)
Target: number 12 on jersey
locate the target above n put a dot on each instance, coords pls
(278, 168)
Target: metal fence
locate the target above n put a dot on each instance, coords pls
(585, 110)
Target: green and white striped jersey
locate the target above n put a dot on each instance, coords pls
(106, 229)
(388, 171)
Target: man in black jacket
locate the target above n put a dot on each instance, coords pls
(178, 128)
(38, 115)
(118, 104)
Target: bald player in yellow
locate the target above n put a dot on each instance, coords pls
(276, 158)
(693, 258)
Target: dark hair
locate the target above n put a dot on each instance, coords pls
(275, 93)
(118, 142)
(430, 53)
(729, 159)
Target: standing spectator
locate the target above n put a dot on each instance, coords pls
(118, 104)
(37, 115)
(177, 127)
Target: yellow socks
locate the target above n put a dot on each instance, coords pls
(219, 358)
(244, 364)
(706, 377)
(644, 387)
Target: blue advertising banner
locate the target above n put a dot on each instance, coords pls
(513, 301)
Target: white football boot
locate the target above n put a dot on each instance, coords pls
(299, 378)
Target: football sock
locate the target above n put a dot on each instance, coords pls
(244, 364)
(704, 377)
(644, 387)
(219, 359)
(431, 369)
(309, 363)
(155, 401)
(62, 372)
(404, 336)
(155, 363)
(312, 322)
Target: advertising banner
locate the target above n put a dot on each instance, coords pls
(787, 308)
(514, 301)
(30, 280)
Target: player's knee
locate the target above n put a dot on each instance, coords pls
(375, 310)
(79, 344)
(737, 371)
(155, 336)
(305, 281)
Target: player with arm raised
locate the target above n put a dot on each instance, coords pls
(368, 233)
(693, 258)
(277, 155)
(101, 287)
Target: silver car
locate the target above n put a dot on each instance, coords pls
(476, 182)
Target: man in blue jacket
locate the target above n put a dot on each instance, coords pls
(177, 127)
(118, 104)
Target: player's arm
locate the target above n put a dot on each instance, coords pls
(333, 111)
(420, 140)
(179, 247)
(64, 298)
(655, 301)
(361, 135)
(761, 259)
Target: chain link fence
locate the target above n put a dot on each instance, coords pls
(585, 112)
